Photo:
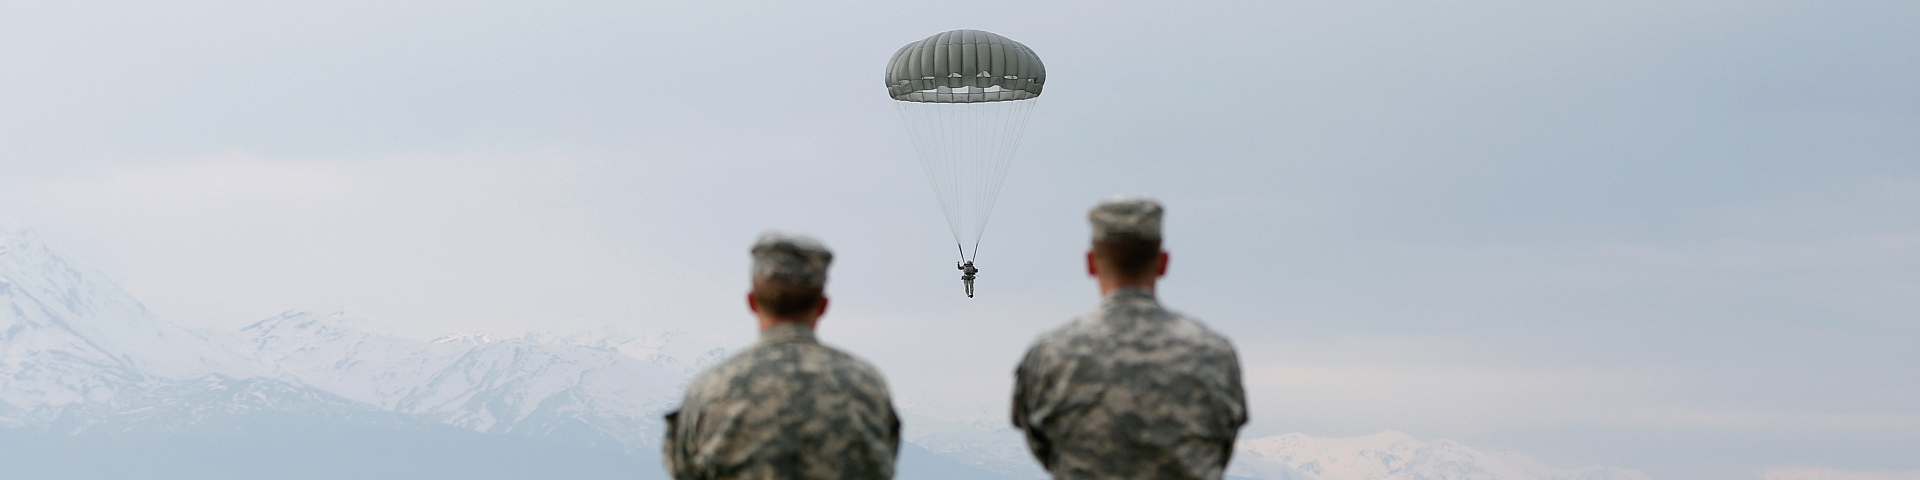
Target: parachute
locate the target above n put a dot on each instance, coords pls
(965, 96)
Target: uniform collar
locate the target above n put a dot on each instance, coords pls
(1130, 294)
(787, 332)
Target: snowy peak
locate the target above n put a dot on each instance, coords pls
(603, 384)
(525, 385)
(42, 292)
(337, 352)
(465, 339)
(335, 323)
(673, 350)
(1393, 455)
(28, 267)
(69, 334)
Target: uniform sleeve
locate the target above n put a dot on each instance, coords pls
(1236, 390)
(885, 462)
(893, 434)
(673, 450)
(1026, 397)
(682, 451)
(873, 439)
(1237, 397)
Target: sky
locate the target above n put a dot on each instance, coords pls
(1681, 237)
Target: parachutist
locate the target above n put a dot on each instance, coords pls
(967, 272)
(966, 119)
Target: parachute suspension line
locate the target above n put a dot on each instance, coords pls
(966, 150)
(929, 138)
(955, 125)
(953, 131)
(1013, 121)
(955, 153)
(981, 177)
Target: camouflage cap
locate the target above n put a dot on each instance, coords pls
(1126, 218)
(794, 258)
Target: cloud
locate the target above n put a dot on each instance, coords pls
(1445, 397)
(489, 239)
(1432, 384)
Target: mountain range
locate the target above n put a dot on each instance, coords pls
(93, 385)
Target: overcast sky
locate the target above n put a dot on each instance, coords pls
(1676, 236)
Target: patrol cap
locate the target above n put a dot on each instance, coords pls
(1126, 218)
(795, 258)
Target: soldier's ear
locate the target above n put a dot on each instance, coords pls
(820, 309)
(1093, 268)
(1160, 264)
(753, 303)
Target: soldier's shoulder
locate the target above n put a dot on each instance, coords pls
(1079, 333)
(1080, 326)
(1199, 332)
(751, 361)
(783, 364)
(841, 360)
(1196, 327)
(717, 375)
(1095, 328)
(1108, 320)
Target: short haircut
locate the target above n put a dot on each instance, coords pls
(786, 299)
(1131, 258)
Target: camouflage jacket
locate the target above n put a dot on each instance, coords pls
(788, 408)
(1130, 391)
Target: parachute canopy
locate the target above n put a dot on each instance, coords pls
(965, 66)
(965, 96)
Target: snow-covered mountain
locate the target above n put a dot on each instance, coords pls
(68, 335)
(601, 385)
(86, 371)
(73, 345)
(975, 438)
(1394, 455)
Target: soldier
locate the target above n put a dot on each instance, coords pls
(967, 274)
(1130, 390)
(789, 407)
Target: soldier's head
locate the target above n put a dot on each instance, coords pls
(1126, 243)
(789, 279)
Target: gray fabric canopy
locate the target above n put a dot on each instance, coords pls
(964, 66)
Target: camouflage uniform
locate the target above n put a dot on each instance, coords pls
(787, 408)
(1130, 390)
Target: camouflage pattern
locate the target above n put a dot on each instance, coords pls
(788, 408)
(1130, 391)
(794, 258)
(1126, 218)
